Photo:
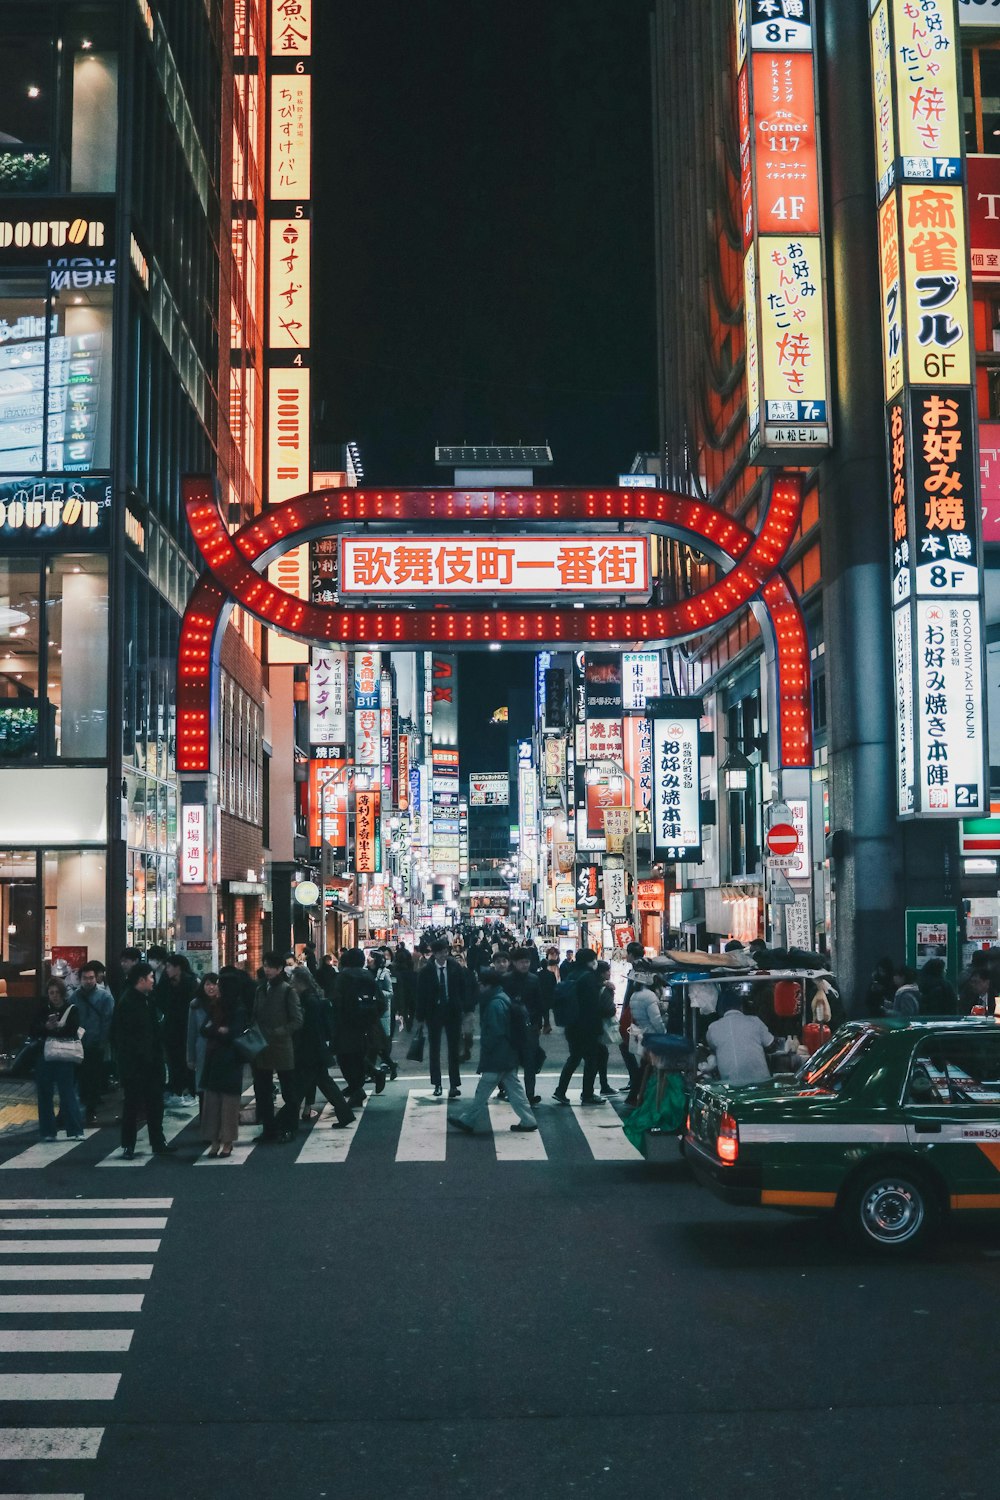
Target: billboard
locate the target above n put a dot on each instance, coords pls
(367, 833)
(676, 811)
(785, 313)
(640, 678)
(489, 789)
(588, 887)
(327, 697)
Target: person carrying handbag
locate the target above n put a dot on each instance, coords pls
(58, 1025)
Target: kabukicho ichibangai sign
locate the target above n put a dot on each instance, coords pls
(783, 238)
(676, 808)
(931, 443)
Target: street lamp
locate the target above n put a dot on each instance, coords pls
(736, 771)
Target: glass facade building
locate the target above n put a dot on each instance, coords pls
(116, 260)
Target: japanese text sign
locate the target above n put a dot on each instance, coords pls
(784, 124)
(935, 278)
(950, 746)
(640, 678)
(489, 789)
(781, 25)
(367, 834)
(793, 337)
(193, 861)
(495, 565)
(676, 779)
(944, 492)
(984, 216)
(327, 697)
(291, 27)
(587, 881)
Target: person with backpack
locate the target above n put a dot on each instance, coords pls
(357, 1006)
(577, 1009)
(503, 1037)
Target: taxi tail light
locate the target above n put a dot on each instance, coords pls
(727, 1144)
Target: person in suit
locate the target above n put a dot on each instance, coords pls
(442, 996)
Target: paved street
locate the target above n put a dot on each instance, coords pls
(463, 1322)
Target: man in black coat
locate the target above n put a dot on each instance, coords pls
(174, 991)
(357, 1005)
(583, 1033)
(524, 986)
(442, 996)
(135, 1038)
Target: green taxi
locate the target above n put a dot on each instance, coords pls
(891, 1125)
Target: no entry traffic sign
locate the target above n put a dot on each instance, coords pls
(782, 843)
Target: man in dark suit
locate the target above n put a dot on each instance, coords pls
(442, 996)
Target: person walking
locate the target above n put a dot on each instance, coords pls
(548, 977)
(57, 1024)
(406, 984)
(582, 1025)
(609, 1024)
(312, 1045)
(524, 986)
(95, 1006)
(138, 1045)
(499, 1058)
(174, 991)
(356, 1006)
(222, 1066)
(276, 1010)
(441, 1001)
(386, 1024)
(635, 953)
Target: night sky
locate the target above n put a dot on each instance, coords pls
(484, 238)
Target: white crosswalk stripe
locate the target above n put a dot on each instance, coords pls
(423, 1136)
(43, 1154)
(61, 1225)
(324, 1145)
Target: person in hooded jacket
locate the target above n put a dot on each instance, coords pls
(937, 994)
(499, 1057)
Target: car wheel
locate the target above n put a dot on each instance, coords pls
(892, 1209)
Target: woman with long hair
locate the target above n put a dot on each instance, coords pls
(57, 1022)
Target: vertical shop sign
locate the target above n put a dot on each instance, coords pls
(288, 284)
(676, 778)
(640, 679)
(193, 862)
(367, 834)
(587, 882)
(925, 277)
(327, 697)
(787, 363)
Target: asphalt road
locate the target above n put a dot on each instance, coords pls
(563, 1327)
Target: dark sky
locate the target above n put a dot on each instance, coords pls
(484, 235)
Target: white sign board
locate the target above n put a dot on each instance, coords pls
(950, 737)
(492, 789)
(327, 697)
(614, 893)
(640, 678)
(567, 564)
(193, 862)
(800, 865)
(677, 785)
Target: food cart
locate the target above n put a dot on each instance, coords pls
(672, 1063)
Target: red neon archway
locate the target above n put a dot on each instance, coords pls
(233, 562)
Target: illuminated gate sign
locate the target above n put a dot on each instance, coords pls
(925, 279)
(676, 779)
(568, 563)
(784, 292)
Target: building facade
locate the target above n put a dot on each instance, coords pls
(124, 291)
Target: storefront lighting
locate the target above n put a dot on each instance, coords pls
(10, 617)
(86, 46)
(736, 770)
(34, 91)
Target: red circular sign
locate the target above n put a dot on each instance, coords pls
(782, 839)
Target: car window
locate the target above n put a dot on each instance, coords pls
(960, 1069)
(831, 1065)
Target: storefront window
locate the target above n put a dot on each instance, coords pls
(981, 88)
(19, 922)
(55, 367)
(94, 147)
(74, 881)
(76, 614)
(19, 701)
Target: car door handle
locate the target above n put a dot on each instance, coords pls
(927, 1129)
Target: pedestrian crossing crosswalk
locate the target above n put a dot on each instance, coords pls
(91, 1235)
(406, 1124)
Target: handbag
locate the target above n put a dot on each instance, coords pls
(415, 1051)
(27, 1056)
(250, 1044)
(64, 1048)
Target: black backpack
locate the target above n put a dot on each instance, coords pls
(566, 1002)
